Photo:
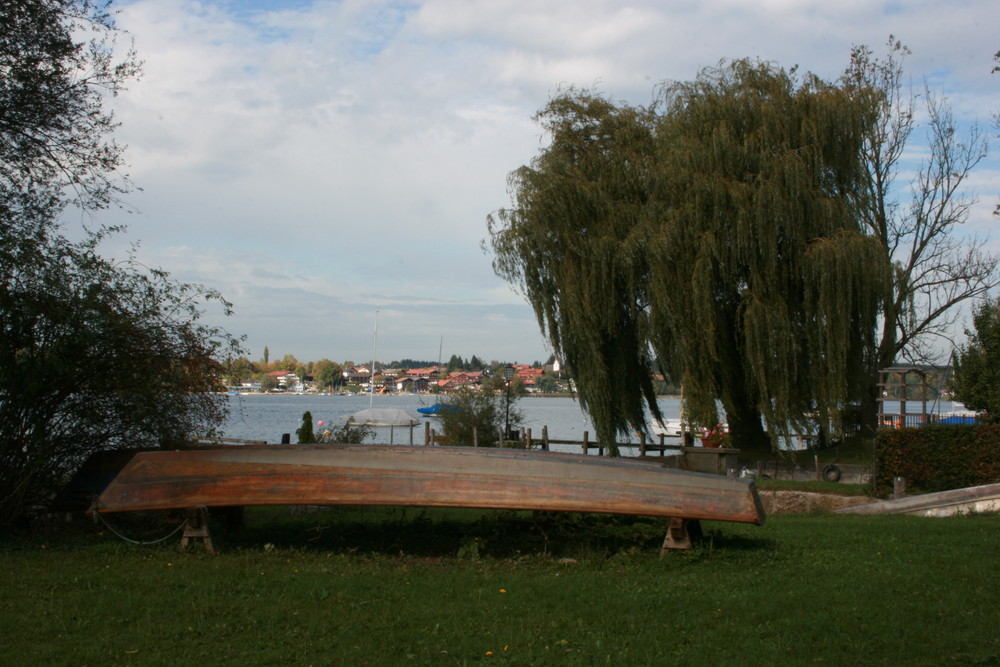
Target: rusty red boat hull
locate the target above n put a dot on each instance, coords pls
(423, 476)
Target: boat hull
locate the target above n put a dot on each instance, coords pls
(423, 476)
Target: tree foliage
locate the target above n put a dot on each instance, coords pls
(479, 417)
(94, 353)
(977, 363)
(59, 61)
(763, 291)
(572, 242)
(716, 231)
(327, 373)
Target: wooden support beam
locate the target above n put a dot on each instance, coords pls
(680, 532)
(197, 528)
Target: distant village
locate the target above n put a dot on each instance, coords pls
(426, 380)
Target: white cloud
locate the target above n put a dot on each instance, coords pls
(316, 161)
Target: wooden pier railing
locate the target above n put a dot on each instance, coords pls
(526, 440)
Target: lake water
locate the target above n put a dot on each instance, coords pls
(268, 416)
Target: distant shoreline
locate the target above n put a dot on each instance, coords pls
(294, 393)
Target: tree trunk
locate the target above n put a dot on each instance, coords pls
(746, 427)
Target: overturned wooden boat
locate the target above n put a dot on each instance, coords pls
(423, 476)
(954, 502)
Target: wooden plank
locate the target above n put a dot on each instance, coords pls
(984, 498)
(424, 476)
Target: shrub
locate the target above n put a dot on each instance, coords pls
(305, 432)
(348, 434)
(478, 416)
(938, 458)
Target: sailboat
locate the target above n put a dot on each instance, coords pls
(438, 407)
(373, 416)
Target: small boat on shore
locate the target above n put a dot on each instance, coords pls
(670, 428)
(423, 476)
(436, 409)
(382, 417)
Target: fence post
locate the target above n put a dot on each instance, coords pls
(475, 437)
(545, 438)
(586, 436)
(642, 444)
(427, 433)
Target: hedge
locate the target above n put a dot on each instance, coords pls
(938, 458)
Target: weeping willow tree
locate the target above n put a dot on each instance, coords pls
(718, 232)
(572, 242)
(763, 288)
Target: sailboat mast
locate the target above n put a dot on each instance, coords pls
(371, 382)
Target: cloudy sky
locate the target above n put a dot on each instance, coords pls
(318, 161)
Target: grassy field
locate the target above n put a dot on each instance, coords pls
(382, 586)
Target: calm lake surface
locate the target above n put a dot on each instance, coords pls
(268, 416)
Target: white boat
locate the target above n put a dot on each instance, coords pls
(670, 428)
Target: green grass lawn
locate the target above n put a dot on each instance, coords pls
(382, 586)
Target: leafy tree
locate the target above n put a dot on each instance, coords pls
(305, 432)
(546, 384)
(327, 373)
(94, 354)
(976, 381)
(288, 363)
(268, 382)
(485, 413)
(570, 243)
(763, 289)
(935, 267)
(238, 368)
(55, 134)
(718, 233)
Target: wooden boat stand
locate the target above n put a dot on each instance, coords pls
(680, 532)
(679, 536)
(197, 528)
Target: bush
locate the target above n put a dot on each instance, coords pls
(938, 458)
(977, 372)
(479, 417)
(95, 353)
(305, 432)
(348, 434)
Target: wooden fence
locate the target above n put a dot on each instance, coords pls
(526, 440)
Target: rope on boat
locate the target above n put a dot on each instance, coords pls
(129, 539)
